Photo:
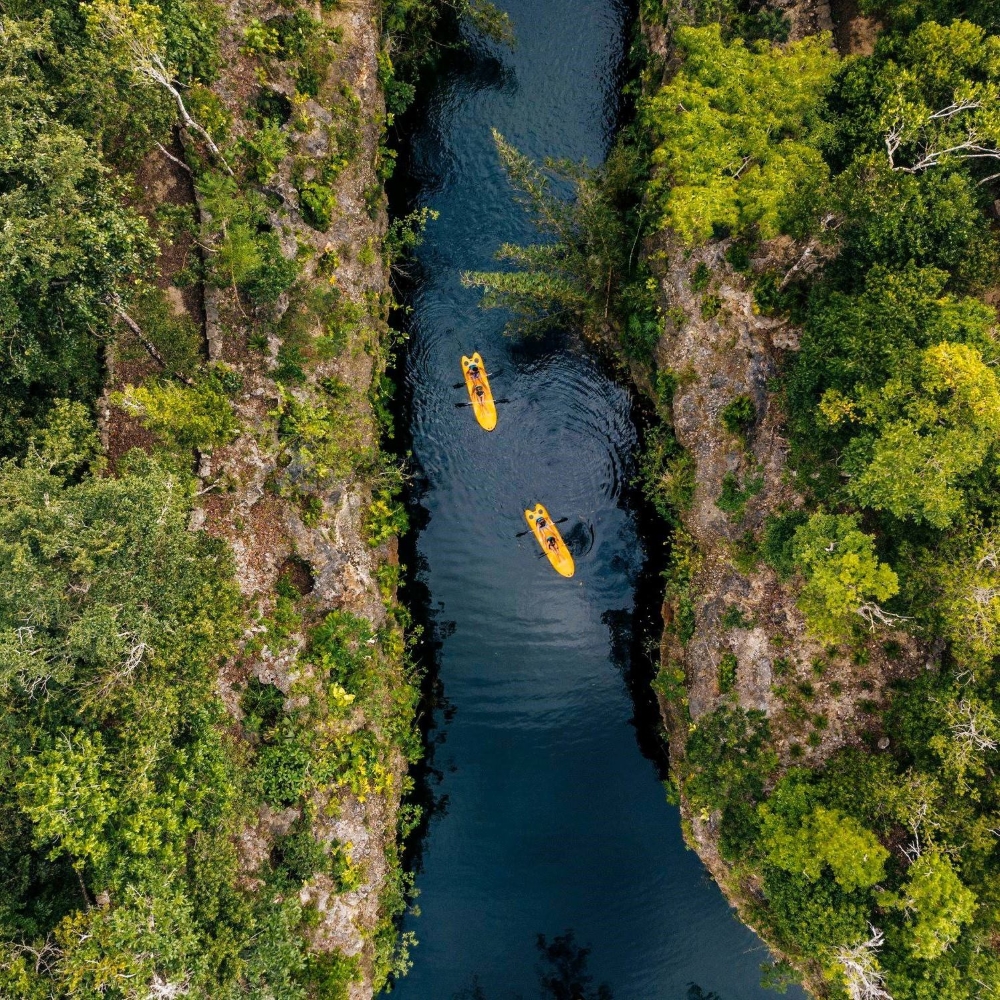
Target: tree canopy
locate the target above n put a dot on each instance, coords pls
(844, 578)
(738, 134)
(68, 243)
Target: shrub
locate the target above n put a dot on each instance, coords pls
(734, 496)
(701, 277)
(667, 473)
(733, 617)
(727, 757)
(728, 665)
(711, 306)
(738, 417)
(317, 203)
(182, 417)
(777, 543)
(282, 768)
(262, 705)
(264, 150)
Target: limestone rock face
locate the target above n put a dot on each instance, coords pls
(254, 493)
(744, 610)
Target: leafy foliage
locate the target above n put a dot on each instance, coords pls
(585, 258)
(937, 904)
(738, 133)
(68, 244)
(184, 417)
(842, 573)
(127, 785)
(874, 869)
(823, 839)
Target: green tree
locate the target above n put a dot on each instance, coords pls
(936, 905)
(932, 219)
(100, 581)
(934, 422)
(576, 272)
(738, 132)
(68, 245)
(136, 43)
(968, 570)
(844, 577)
(941, 103)
(808, 841)
(853, 344)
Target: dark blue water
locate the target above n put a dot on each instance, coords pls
(554, 822)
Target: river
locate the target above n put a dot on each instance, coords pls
(554, 866)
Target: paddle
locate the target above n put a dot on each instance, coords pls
(470, 404)
(521, 534)
(461, 385)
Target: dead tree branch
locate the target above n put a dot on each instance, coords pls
(119, 310)
(865, 981)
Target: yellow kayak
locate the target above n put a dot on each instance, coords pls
(547, 535)
(480, 393)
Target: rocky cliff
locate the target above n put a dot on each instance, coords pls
(734, 636)
(290, 495)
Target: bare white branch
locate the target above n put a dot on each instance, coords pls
(148, 63)
(955, 109)
(969, 726)
(865, 981)
(874, 615)
(162, 989)
(971, 148)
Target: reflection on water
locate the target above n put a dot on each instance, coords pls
(562, 974)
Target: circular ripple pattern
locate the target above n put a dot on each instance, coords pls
(554, 821)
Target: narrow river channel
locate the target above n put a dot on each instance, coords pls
(553, 823)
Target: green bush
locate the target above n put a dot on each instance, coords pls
(734, 496)
(329, 975)
(728, 665)
(297, 857)
(733, 617)
(262, 705)
(282, 769)
(182, 417)
(317, 203)
(701, 277)
(667, 474)
(776, 546)
(727, 758)
(711, 306)
(739, 416)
